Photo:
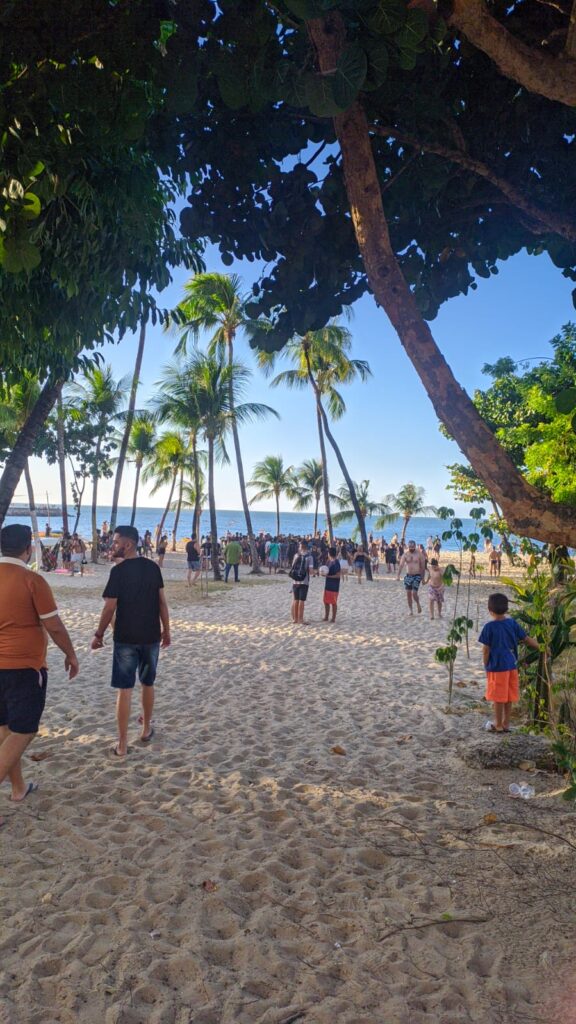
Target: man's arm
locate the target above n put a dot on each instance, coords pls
(164, 619)
(485, 654)
(59, 634)
(400, 565)
(105, 620)
(531, 642)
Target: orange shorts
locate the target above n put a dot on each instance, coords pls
(503, 687)
(330, 597)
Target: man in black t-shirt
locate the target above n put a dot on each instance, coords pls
(135, 593)
(332, 585)
(193, 560)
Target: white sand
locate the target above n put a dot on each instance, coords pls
(356, 889)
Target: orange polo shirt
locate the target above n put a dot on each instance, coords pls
(25, 601)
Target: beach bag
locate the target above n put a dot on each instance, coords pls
(299, 570)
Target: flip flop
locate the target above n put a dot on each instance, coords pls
(116, 752)
(146, 739)
(497, 731)
(30, 788)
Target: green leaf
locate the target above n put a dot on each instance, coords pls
(414, 30)
(566, 400)
(19, 254)
(406, 59)
(232, 84)
(304, 9)
(320, 97)
(570, 793)
(378, 61)
(389, 17)
(32, 206)
(350, 74)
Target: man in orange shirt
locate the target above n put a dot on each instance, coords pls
(27, 613)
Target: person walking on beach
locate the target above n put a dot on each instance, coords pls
(135, 593)
(193, 559)
(27, 613)
(77, 555)
(232, 556)
(162, 546)
(414, 564)
(435, 581)
(331, 585)
(500, 639)
(300, 575)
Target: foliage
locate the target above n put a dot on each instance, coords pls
(368, 507)
(447, 655)
(407, 503)
(271, 478)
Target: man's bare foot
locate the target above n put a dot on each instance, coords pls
(120, 750)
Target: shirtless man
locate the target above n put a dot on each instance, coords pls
(414, 564)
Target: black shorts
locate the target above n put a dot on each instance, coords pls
(22, 698)
(300, 591)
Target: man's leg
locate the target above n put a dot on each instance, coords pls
(123, 702)
(12, 746)
(227, 572)
(326, 612)
(300, 612)
(409, 599)
(499, 715)
(506, 710)
(147, 695)
(294, 610)
(417, 599)
(432, 608)
(334, 610)
(236, 571)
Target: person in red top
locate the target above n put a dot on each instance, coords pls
(28, 615)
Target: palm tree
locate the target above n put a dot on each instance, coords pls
(204, 393)
(272, 478)
(127, 426)
(407, 503)
(308, 487)
(322, 361)
(140, 447)
(214, 302)
(61, 451)
(190, 499)
(14, 411)
(101, 400)
(367, 507)
(165, 466)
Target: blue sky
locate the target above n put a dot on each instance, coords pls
(389, 434)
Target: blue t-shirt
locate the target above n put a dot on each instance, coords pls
(331, 585)
(502, 636)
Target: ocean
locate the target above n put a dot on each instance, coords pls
(232, 521)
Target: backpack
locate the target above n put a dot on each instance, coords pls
(299, 570)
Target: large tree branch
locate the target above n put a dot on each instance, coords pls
(528, 512)
(546, 219)
(552, 76)
(24, 446)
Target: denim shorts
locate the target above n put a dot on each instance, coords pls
(22, 698)
(193, 565)
(130, 659)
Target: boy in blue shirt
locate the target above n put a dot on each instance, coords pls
(500, 639)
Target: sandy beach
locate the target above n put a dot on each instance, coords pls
(237, 869)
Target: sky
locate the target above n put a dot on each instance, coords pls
(389, 434)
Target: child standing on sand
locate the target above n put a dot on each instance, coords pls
(500, 639)
(435, 582)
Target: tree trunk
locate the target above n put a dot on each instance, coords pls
(212, 504)
(33, 516)
(342, 464)
(62, 459)
(526, 510)
(404, 528)
(316, 515)
(197, 492)
(95, 479)
(277, 496)
(325, 484)
(78, 495)
(127, 426)
(14, 465)
(240, 467)
(178, 509)
(136, 486)
(166, 510)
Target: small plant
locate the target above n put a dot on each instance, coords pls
(447, 655)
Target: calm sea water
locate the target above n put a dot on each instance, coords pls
(232, 521)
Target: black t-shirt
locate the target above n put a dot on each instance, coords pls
(192, 552)
(331, 585)
(136, 584)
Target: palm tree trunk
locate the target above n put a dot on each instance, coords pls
(127, 427)
(525, 509)
(212, 504)
(166, 510)
(325, 484)
(78, 495)
(404, 528)
(14, 465)
(316, 516)
(33, 516)
(178, 509)
(62, 459)
(95, 479)
(197, 491)
(341, 463)
(240, 467)
(136, 486)
(277, 515)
